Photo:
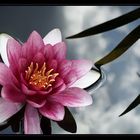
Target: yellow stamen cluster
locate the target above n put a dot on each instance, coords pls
(39, 77)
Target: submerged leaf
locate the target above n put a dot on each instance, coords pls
(134, 104)
(68, 123)
(4, 126)
(14, 121)
(123, 46)
(15, 126)
(138, 74)
(46, 125)
(109, 25)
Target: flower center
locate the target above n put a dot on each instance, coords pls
(39, 78)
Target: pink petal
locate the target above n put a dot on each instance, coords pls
(32, 46)
(36, 100)
(70, 78)
(14, 53)
(39, 58)
(72, 70)
(31, 121)
(22, 63)
(12, 93)
(59, 89)
(53, 110)
(28, 51)
(6, 76)
(53, 37)
(35, 40)
(73, 97)
(48, 52)
(64, 68)
(59, 50)
(52, 64)
(3, 47)
(23, 80)
(58, 82)
(27, 91)
(81, 67)
(45, 92)
(8, 109)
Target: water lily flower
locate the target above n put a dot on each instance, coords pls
(38, 75)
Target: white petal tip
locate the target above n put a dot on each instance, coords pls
(90, 78)
(3, 43)
(53, 37)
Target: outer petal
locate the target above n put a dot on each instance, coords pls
(13, 51)
(12, 93)
(31, 121)
(64, 68)
(3, 43)
(87, 80)
(53, 37)
(14, 54)
(52, 110)
(70, 78)
(71, 71)
(8, 109)
(73, 97)
(81, 67)
(59, 50)
(6, 75)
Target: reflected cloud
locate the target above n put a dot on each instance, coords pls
(122, 82)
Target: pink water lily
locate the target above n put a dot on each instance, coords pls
(38, 75)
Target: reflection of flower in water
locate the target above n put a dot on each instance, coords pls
(39, 76)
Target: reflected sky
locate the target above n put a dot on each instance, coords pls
(122, 84)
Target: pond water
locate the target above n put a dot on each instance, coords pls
(122, 84)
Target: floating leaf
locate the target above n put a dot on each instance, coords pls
(134, 104)
(123, 46)
(68, 123)
(46, 125)
(109, 25)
